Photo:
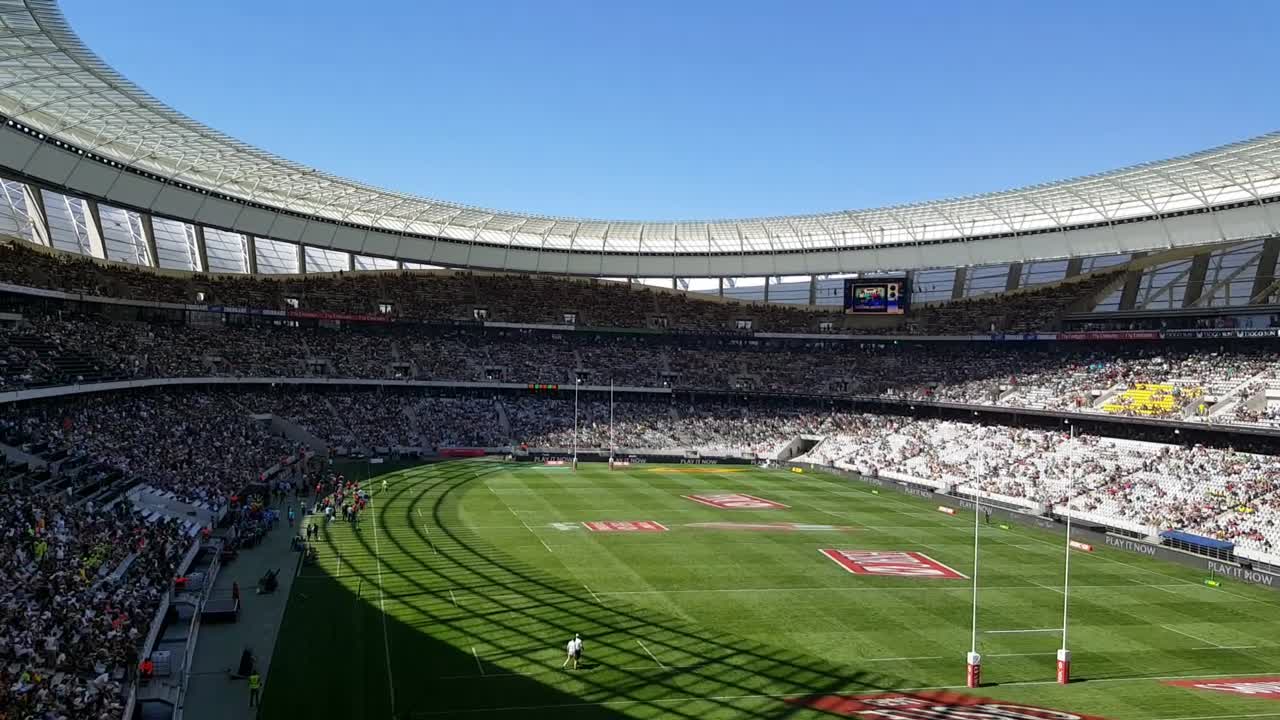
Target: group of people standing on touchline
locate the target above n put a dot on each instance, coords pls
(341, 497)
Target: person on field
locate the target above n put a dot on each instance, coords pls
(255, 688)
(574, 649)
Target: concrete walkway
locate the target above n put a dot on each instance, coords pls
(211, 694)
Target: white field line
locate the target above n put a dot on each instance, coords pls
(898, 659)
(453, 598)
(1223, 717)
(650, 654)
(593, 595)
(1228, 647)
(382, 606)
(556, 671)
(1193, 637)
(954, 588)
(685, 699)
(522, 522)
(1028, 630)
(1096, 557)
(1158, 587)
(476, 655)
(429, 542)
(419, 512)
(1060, 591)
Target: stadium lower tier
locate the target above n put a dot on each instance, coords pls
(72, 538)
(203, 445)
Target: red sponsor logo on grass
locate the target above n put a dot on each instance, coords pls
(929, 706)
(769, 527)
(1086, 547)
(736, 501)
(892, 563)
(1258, 687)
(624, 526)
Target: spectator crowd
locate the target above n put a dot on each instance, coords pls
(1178, 380)
(82, 573)
(1139, 486)
(453, 296)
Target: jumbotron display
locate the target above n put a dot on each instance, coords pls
(876, 296)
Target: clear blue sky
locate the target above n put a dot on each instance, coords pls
(703, 108)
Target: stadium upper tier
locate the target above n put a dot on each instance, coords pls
(73, 124)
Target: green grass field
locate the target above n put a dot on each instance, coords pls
(459, 591)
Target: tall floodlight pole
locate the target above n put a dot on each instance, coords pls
(1064, 655)
(576, 382)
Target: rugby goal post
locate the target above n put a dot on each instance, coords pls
(973, 659)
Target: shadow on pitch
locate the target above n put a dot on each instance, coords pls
(475, 632)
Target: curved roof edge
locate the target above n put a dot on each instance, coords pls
(60, 88)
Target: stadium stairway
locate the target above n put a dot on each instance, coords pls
(16, 454)
(1227, 400)
(504, 421)
(410, 415)
(153, 503)
(294, 432)
(70, 365)
(1108, 396)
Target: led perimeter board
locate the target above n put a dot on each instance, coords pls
(876, 296)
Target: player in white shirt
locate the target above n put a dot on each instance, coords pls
(574, 649)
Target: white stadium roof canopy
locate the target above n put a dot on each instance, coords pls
(75, 125)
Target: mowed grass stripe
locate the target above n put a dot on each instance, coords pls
(810, 627)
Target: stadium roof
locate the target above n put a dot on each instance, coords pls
(54, 86)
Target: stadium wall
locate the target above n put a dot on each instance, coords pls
(1088, 535)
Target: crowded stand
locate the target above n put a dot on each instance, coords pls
(449, 296)
(370, 419)
(152, 438)
(1143, 487)
(1192, 382)
(756, 431)
(82, 585)
(70, 638)
(85, 572)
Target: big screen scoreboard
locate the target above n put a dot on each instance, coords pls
(876, 296)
